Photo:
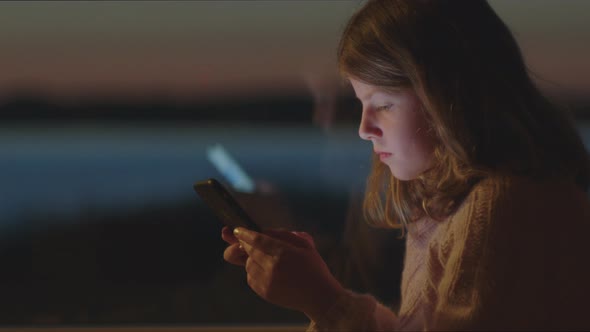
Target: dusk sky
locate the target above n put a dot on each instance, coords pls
(207, 49)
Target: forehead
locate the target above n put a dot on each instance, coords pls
(373, 93)
(365, 91)
(362, 89)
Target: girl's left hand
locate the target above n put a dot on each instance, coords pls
(285, 269)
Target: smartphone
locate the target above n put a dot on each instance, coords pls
(224, 205)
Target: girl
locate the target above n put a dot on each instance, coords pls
(485, 176)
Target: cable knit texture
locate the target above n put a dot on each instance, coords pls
(513, 257)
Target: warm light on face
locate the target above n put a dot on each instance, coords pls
(397, 127)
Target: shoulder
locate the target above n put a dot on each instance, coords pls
(509, 206)
(506, 233)
(475, 212)
(518, 205)
(535, 202)
(506, 196)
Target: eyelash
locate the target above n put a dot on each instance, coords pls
(383, 108)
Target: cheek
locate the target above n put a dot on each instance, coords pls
(423, 143)
(415, 143)
(415, 147)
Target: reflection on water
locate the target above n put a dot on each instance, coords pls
(61, 170)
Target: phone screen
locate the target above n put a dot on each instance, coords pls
(224, 205)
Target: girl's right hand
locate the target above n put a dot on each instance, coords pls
(234, 253)
(285, 269)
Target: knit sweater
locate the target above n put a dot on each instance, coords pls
(514, 256)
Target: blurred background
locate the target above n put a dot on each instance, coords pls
(108, 110)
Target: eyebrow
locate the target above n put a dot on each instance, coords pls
(373, 92)
(391, 90)
(369, 95)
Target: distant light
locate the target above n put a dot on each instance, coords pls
(230, 169)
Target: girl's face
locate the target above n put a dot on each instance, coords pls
(397, 127)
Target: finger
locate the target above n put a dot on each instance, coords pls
(255, 277)
(297, 239)
(234, 255)
(264, 243)
(307, 237)
(254, 269)
(256, 286)
(264, 260)
(228, 236)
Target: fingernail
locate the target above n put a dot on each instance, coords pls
(236, 231)
(241, 246)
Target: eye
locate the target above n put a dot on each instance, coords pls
(383, 108)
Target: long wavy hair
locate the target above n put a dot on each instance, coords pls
(489, 118)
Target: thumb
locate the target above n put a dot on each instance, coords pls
(297, 239)
(305, 236)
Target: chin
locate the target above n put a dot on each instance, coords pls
(404, 179)
(403, 175)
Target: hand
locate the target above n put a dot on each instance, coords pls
(233, 254)
(285, 269)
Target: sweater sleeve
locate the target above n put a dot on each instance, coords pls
(355, 312)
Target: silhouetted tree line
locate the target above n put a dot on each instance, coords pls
(274, 109)
(287, 109)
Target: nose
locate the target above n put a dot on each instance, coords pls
(368, 128)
